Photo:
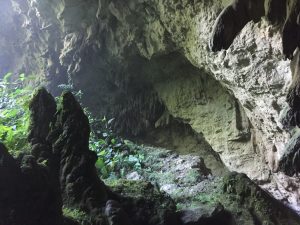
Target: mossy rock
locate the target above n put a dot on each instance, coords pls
(144, 203)
(243, 197)
(76, 217)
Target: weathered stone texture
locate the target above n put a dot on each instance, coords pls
(117, 51)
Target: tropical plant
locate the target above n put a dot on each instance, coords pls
(116, 156)
(14, 112)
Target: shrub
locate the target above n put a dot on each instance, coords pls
(14, 112)
(116, 156)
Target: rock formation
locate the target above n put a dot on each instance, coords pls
(79, 182)
(27, 194)
(289, 163)
(262, 208)
(276, 13)
(232, 20)
(61, 171)
(140, 61)
(290, 160)
(290, 33)
(144, 60)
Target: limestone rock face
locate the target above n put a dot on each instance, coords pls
(290, 161)
(142, 60)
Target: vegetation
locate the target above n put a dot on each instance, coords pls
(116, 156)
(77, 215)
(14, 112)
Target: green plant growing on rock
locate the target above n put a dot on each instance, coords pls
(14, 113)
(207, 198)
(116, 156)
(77, 215)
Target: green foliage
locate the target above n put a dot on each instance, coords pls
(206, 198)
(116, 156)
(14, 112)
(69, 87)
(77, 215)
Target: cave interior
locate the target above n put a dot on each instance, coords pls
(135, 112)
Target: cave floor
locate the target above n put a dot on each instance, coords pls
(185, 178)
(192, 185)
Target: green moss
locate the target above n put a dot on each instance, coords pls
(166, 177)
(239, 192)
(141, 197)
(208, 198)
(200, 200)
(192, 177)
(76, 215)
(133, 189)
(142, 191)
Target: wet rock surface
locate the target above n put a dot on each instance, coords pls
(183, 177)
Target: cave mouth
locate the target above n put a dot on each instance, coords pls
(134, 71)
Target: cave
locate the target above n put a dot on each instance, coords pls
(134, 112)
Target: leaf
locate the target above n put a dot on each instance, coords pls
(99, 163)
(102, 153)
(31, 77)
(110, 121)
(132, 158)
(128, 143)
(118, 145)
(137, 166)
(7, 77)
(102, 142)
(122, 172)
(22, 77)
